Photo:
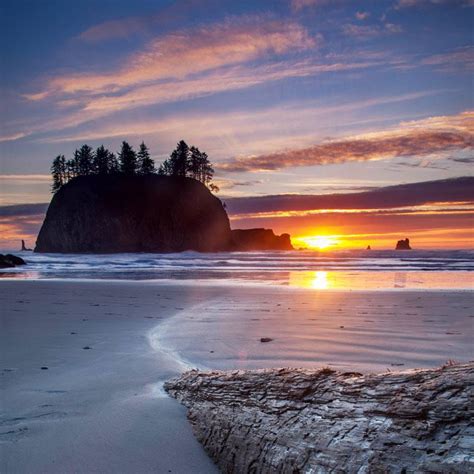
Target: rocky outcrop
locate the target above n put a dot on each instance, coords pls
(403, 245)
(259, 239)
(295, 420)
(10, 261)
(117, 213)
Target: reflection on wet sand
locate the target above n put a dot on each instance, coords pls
(380, 280)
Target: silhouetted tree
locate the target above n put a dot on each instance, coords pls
(101, 163)
(114, 165)
(127, 159)
(145, 163)
(58, 170)
(180, 159)
(85, 161)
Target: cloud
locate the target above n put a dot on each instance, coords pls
(13, 137)
(23, 210)
(370, 31)
(458, 59)
(300, 4)
(188, 52)
(416, 138)
(456, 190)
(280, 125)
(362, 15)
(417, 3)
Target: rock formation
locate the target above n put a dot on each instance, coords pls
(10, 261)
(24, 248)
(118, 213)
(260, 239)
(295, 420)
(403, 245)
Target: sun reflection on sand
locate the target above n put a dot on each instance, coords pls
(377, 280)
(320, 281)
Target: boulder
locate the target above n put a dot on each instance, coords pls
(118, 213)
(10, 261)
(403, 245)
(259, 239)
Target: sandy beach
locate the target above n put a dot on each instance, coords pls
(83, 363)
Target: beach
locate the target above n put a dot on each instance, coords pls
(84, 362)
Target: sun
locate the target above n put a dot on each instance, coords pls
(320, 242)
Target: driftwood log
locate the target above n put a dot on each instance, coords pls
(311, 421)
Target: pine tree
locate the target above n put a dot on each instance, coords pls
(114, 166)
(195, 163)
(85, 160)
(127, 160)
(179, 160)
(58, 171)
(145, 164)
(101, 161)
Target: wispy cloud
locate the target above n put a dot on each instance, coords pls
(12, 137)
(458, 59)
(418, 3)
(416, 138)
(371, 31)
(300, 4)
(187, 52)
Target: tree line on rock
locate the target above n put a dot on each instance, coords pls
(184, 161)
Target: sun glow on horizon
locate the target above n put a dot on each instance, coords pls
(320, 242)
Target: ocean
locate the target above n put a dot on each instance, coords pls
(349, 269)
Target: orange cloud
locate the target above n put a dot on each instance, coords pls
(417, 138)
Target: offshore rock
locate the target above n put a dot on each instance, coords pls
(403, 245)
(307, 421)
(10, 261)
(118, 213)
(260, 239)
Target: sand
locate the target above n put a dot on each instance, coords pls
(109, 346)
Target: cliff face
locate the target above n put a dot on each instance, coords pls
(116, 213)
(260, 239)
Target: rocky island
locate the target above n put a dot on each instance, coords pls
(295, 420)
(115, 213)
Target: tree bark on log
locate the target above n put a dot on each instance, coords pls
(317, 421)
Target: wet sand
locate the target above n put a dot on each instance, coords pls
(83, 362)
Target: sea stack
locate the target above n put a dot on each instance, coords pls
(158, 214)
(403, 245)
(119, 213)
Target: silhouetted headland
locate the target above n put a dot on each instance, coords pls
(116, 213)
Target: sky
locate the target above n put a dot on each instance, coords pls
(291, 99)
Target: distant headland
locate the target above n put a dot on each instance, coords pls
(102, 204)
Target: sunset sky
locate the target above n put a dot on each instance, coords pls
(294, 101)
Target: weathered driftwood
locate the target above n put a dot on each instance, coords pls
(294, 420)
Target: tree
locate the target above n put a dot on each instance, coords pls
(145, 164)
(59, 172)
(127, 159)
(101, 161)
(180, 159)
(85, 161)
(114, 166)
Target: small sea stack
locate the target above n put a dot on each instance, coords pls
(403, 245)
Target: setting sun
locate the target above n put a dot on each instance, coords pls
(320, 242)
